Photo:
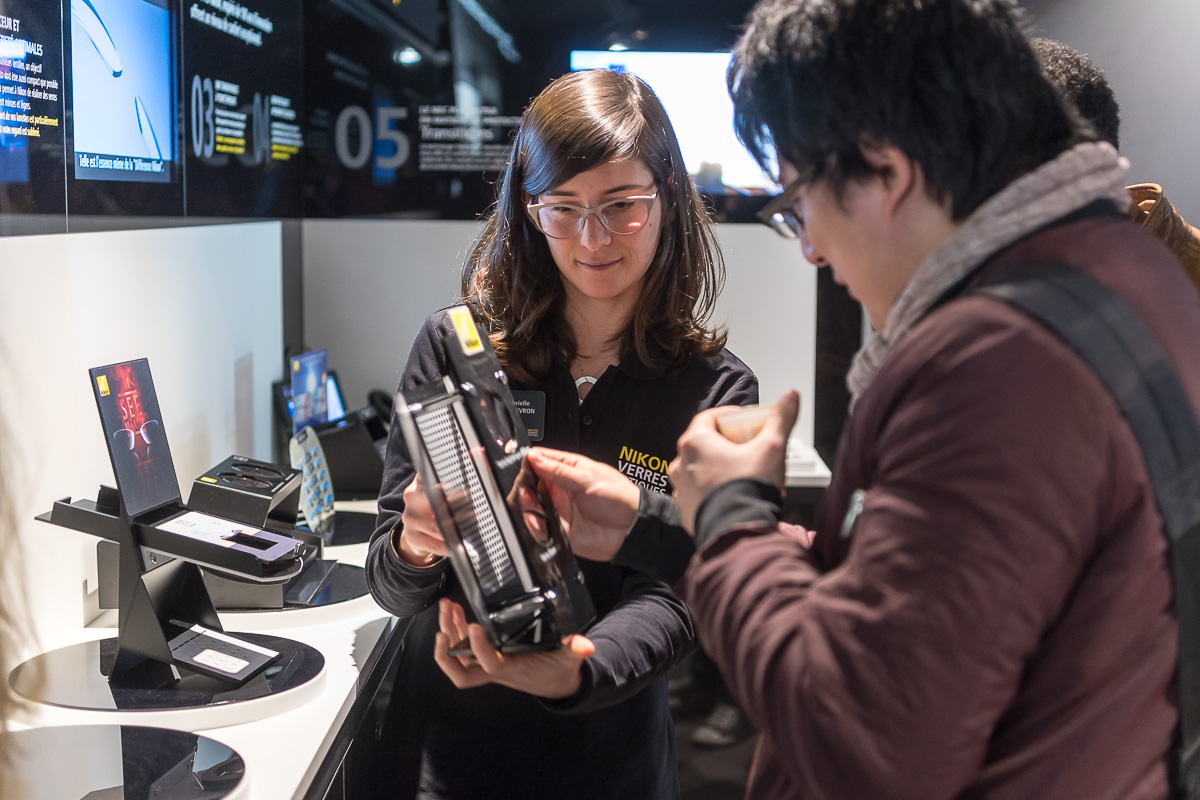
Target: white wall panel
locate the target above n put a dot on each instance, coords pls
(204, 304)
(770, 306)
(368, 286)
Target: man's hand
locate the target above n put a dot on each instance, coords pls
(420, 541)
(707, 459)
(597, 504)
(553, 674)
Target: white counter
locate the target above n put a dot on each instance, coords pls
(284, 738)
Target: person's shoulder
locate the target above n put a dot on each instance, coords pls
(976, 347)
(426, 357)
(431, 329)
(722, 362)
(721, 378)
(440, 319)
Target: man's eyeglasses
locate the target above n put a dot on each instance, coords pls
(780, 215)
(621, 215)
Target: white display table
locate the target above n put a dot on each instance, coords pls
(804, 467)
(292, 742)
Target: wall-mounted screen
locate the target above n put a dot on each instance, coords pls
(692, 88)
(115, 110)
(409, 109)
(242, 87)
(123, 109)
(31, 118)
(122, 103)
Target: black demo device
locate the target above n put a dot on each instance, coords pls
(165, 612)
(502, 533)
(354, 449)
(268, 496)
(1124, 353)
(248, 490)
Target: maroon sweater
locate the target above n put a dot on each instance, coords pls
(997, 622)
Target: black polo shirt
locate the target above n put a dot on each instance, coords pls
(615, 738)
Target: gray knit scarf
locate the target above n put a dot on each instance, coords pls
(1085, 173)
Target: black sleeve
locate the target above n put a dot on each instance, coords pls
(657, 542)
(644, 635)
(737, 385)
(736, 503)
(399, 588)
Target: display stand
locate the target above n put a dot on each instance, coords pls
(162, 597)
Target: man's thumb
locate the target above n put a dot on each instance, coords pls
(787, 411)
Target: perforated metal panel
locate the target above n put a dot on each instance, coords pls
(466, 497)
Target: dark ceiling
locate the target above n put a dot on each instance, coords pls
(693, 25)
(689, 25)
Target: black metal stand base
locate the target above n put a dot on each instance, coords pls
(81, 676)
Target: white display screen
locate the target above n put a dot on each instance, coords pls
(123, 111)
(692, 88)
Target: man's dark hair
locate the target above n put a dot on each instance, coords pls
(1081, 82)
(954, 84)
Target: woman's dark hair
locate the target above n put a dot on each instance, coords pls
(580, 121)
(954, 84)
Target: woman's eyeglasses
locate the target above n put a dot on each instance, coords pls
(622, 216)
(780, 215)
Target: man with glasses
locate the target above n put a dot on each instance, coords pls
(986, 608)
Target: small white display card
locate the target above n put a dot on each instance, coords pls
(207, 528)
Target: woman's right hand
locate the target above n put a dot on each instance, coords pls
(420, 543)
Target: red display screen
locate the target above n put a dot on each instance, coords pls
(133, 429)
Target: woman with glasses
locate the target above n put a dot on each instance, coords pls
(594, 275)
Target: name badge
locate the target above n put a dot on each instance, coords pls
(531, 406)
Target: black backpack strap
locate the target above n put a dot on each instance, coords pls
(1114, 341)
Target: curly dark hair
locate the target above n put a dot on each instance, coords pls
(954, 84)
(580, 121)
(1083, 83)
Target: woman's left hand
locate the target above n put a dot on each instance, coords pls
(553, 674)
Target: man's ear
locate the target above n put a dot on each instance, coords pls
(900, 175)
